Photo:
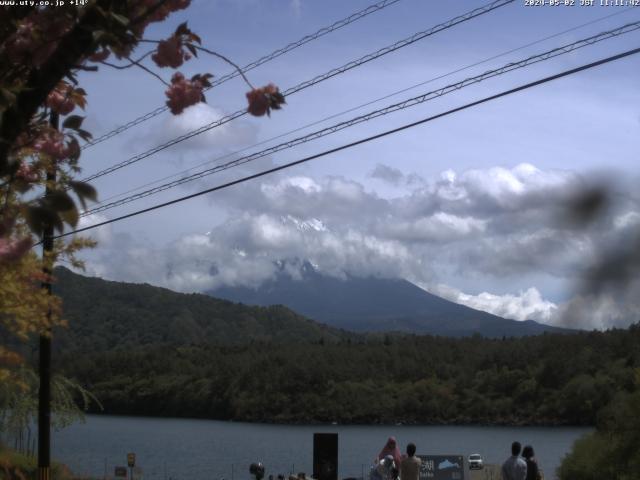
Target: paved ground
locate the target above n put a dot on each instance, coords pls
(489, 472)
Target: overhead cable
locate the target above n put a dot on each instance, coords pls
(308, 83)
(411, 102)
(357, 107)
(358, 142)
(250, 66)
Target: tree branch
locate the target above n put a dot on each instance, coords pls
(148, 70)
(225, 59)
(215, 54)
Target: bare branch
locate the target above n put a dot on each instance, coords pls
(225, 59)
(148, 70)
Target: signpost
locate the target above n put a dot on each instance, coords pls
(120, 472)
(131, 461)
(441, 467)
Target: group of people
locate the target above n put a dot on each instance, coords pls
(523, 467)
(391, 462)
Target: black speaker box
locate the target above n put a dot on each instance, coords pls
(325, 456)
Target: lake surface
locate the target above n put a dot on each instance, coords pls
(210, 450)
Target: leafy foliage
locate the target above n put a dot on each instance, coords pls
(613, 450)
(42, 50)
(373, 379)
(106, 315)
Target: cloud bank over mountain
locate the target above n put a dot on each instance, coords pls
(497, 227)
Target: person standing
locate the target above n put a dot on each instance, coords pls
(410, 465)
(514, 468)
(391, 448)
(533, 473)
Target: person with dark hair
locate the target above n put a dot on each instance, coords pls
(410, 465)
(514, 468)
(533, 473)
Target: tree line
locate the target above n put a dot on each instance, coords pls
(551, 379)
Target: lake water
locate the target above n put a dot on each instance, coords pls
(210, 450)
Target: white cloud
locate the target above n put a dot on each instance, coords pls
(497, 224)
(526, 305)
(222, 137)
(102, 234)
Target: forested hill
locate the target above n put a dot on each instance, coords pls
(106, 315)
(546, 379)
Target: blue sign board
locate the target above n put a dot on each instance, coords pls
(441, 467)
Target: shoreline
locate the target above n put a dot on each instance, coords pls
(346, 424)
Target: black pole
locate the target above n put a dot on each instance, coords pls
(44, 392)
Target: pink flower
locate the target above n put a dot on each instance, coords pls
(52, 143)
(183, 93)
(59, 100)
(258, 102)
(169, 6)
(170, 53)
(23, 41)
(13, 249)
(262, 100)
(32, 42)
(27, 173)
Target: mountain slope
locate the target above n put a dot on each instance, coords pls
(104, 315)
(373, 304)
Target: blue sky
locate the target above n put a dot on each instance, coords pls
(464, 206)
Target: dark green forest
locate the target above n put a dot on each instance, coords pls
(550, 379)
(104, 315)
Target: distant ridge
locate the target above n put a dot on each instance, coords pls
(375, 304)
(105, 315)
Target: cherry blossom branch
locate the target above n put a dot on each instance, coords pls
(134, 63)
(225, 59)
(215, 54)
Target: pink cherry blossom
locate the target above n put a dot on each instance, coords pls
(262, 100)
(183, 93)
(13, 249)
(27, 173)
(52, 143)
(59, 100)
(170, 53)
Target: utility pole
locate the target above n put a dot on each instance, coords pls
(44, 392)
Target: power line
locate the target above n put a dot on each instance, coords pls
(371, 102)
(256, 63)
(308, 83)
(361, 141)
(531, 60)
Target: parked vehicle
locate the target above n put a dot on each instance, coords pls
(475, 462)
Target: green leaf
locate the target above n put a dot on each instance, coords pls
(84, 190)
(74, 148)
(60, 201)
(40, 217)
(74, 122)
(70, 216)
(86, 136)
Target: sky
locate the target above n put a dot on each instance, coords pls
(471, 206)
